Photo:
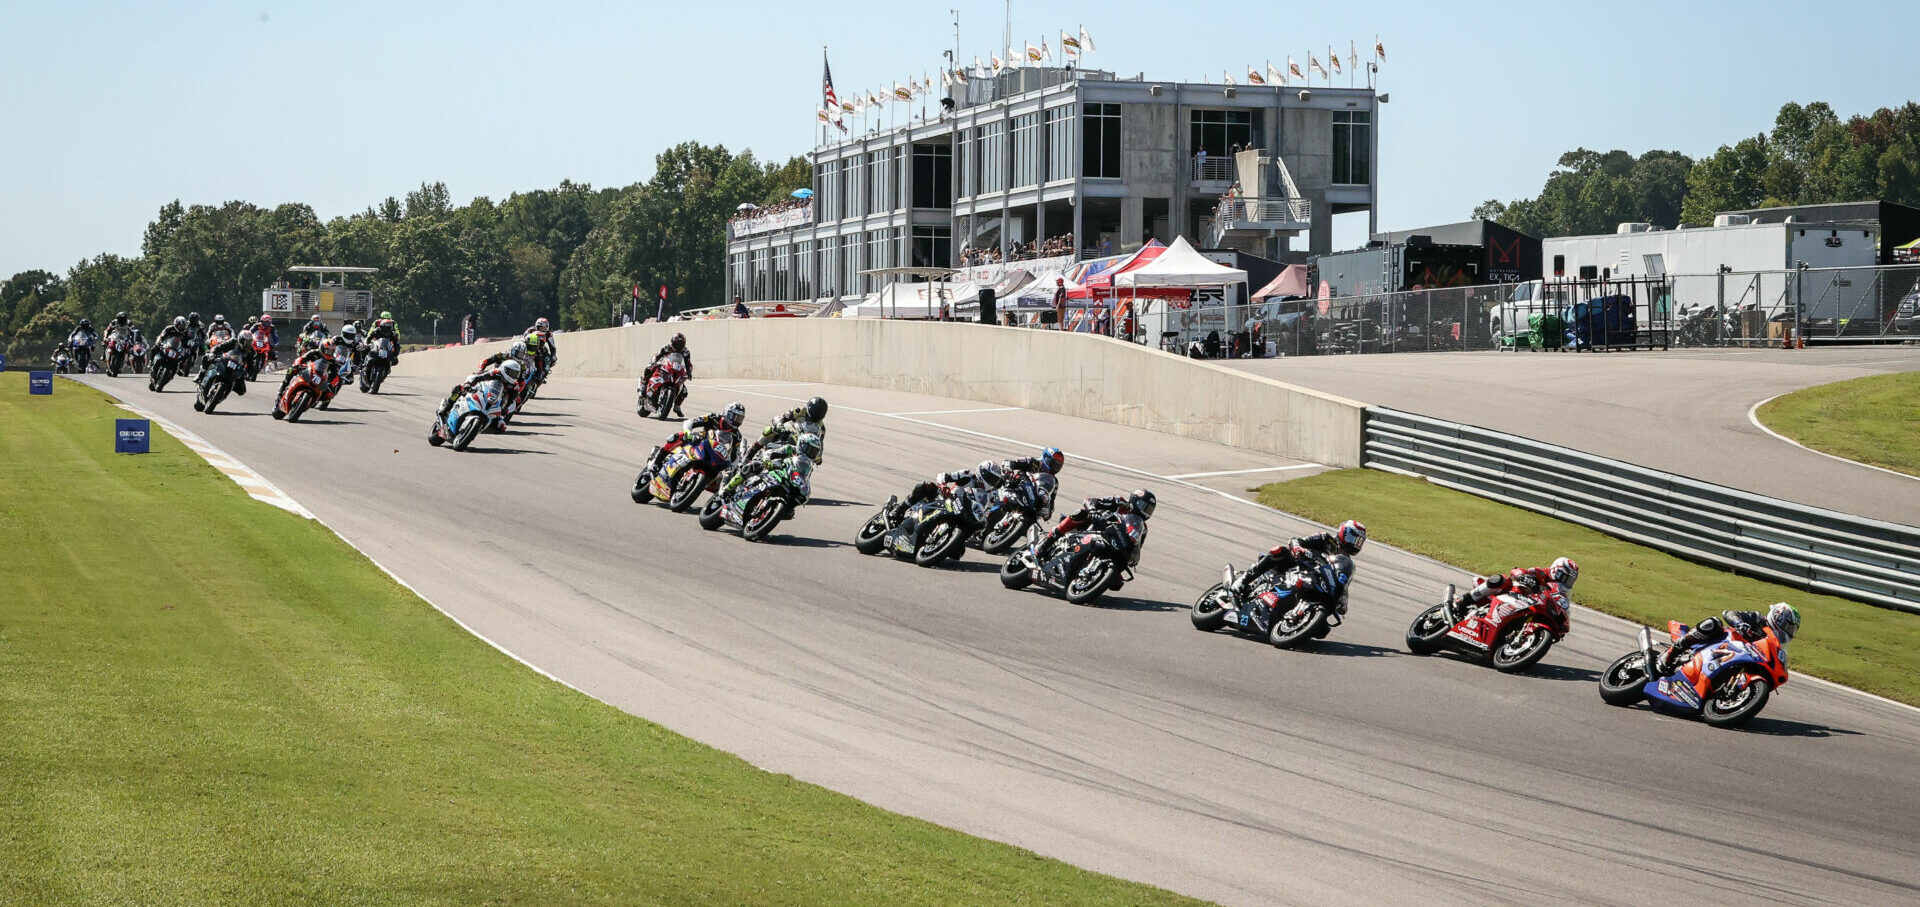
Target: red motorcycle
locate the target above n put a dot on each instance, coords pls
(662, 390)
(1513, 632)
(310, 385)
(259, 352)
(118, 347)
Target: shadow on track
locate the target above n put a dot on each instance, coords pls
(1125, 603)
(1347, 649)
(507, 450)
(1563, 672)
(834, 502)
(802, 541)
(1780, 727)
(305, 421)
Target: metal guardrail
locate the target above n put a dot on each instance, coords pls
(1808, 547)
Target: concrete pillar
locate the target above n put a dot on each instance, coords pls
(1320, 238)
(1132, 222)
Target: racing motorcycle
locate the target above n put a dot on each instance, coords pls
(63, 363)
(117, 349)
(343, 373)
(1025, 500)
(379, 363)
(137, 356)
(82, 353)
(1513, 632)
(220, 377)
(694, 466)
(926, 532)
(1285, 617)
(1083, 565)
(308, 385)
(167, 363)
(259, 349)
(1726, 683)
(480, 407)
(659, 392)
(762, 501)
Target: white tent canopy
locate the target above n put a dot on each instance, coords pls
(1038, 292)
(1181, 266)
(899, 299)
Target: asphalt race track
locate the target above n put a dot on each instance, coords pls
(1684, 411)
(1114, 737)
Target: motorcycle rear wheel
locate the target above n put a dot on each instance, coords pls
(710, 518)
(939, 541)
(1426, 634)
(1209, 611)
(1284, 635)
(1519, 648)
(872, 536)
(1625, 680)
(1724, 710)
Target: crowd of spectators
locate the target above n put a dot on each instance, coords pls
(766, 210)
(1047, 248)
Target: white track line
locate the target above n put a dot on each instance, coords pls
(1753, 415)
(952, 412)
(1242, 472)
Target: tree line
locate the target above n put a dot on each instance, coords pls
(1810, 157)
(571, 253)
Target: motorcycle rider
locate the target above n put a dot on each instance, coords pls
(177, 329)
(385, 327)
(319, 354)
(1137, 505)
(497, 367)
(1348, 539)
(219, 343)
(264, 330)
(1525, 580)
(675, 347)
(81, 341)
(315, 332)
(540, 346)
(787, 427)
(723, 426)
(1747, 626)
(122, 326)
(801, 453)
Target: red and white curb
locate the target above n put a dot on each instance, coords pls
(255, 485)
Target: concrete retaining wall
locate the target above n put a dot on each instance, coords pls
(1071, 374)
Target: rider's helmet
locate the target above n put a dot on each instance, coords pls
(989, 473)
(1053, 459)
(816, 409)
(86, 322)
(314, 322)
(220, 320)
(1142, 501)
(679, 342)
(266, 319)
(809, 445)
(1784, 619)
(511, 369)
(120, 318)
(1564, 571)
(518, 349)
(194, 317)
(541, 324)
(736, 413)
(349, 333)
(252, 320)
(180, 321)
(386, 315)
(1352, 536)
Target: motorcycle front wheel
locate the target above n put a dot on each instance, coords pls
(1006, 532)
(1520, 647)
(301, 400)
(1091, 580)
(1426, 633)
(1290, 628)
(763, 514)
(1210, 609)
(1727, 706)
(642, 493)
(938, 542)
(686, 489)
(872, 536)
(1625, 680)
(470, 425)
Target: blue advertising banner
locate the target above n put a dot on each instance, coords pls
(3, 362)
(130, 436)
(39, 382)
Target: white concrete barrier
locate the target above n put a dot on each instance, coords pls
(1071, 374)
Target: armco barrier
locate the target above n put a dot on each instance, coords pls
(1071, 374)
(1816, 549)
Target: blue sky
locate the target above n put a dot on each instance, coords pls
(113, 109)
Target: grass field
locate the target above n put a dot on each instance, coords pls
(206, 700)
(1875, 419)
(1869, 648)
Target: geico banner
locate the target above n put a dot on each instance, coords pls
(130, 436)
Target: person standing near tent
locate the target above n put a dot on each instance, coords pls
(1059, 303)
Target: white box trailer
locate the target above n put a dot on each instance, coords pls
(1760, 261)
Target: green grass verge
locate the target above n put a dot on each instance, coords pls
(1875, 419)
(1865, 647)
(207, 700)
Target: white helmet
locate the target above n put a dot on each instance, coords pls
(518, 349)
(511, 369)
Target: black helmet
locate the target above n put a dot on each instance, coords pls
(1053, 459)
(1142, 501)
(193, 317)
(817, 409)
(120, 317)
(679, 342)
(86, 322)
